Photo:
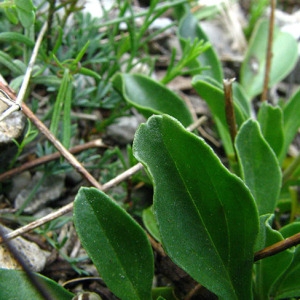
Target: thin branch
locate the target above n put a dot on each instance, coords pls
(229, 108)
(67, 208)
(278, 247)
(197, 123)
(29, 69)
(15, 106)
(269, 54)
(47, 158)
(58, 145)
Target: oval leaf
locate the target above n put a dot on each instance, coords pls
(206, 216)
(284, 58)
(189, 30)
(117, 245)
(260, 167)
(151, 97)
(271, 124)
(291, 121)
(14, 284)
(287, 286)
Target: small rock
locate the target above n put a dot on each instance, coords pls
(11, 128)
(19, 182)
(50, 190)
(123, 130)
(33, 256)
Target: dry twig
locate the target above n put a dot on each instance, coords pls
(269, 54)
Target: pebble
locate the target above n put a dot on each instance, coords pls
(124, 128)
(50, 190)
(33, 256)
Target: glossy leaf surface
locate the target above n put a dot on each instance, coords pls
(284, 58)
(15, 285)
(260, 167)
(117, 245)
(203, 211)
(151, 97)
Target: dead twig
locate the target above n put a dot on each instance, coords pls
(229, 108)
(17, 104)
(269, 54)
(47, 158)
(67, 208)
(58, 145)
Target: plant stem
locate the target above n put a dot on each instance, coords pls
(31, 63)
(229, 108)
(278, 247)
(269, 54)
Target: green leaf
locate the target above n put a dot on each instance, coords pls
(16, 37)
(259, 166)
(291, 121)
(26, 18)
(189, 30)
(269, 270)
(164, 293)
(150, 223)
(117, 245)
(11, 14)
(67, 124)
(48, 80)
(8, 62)
(25, 5)
(63, 103)
(287, 286)
(89, 72)
(212, 92)
(241, 98)
(206, 216)
(14, 284)
(26, 12)
(284, 58)
(271, 123)
(151, 97)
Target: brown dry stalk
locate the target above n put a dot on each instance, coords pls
(278, 247)
(269, 53)
(47, 158)
(229, 108)
(58, 145)
(67, 208)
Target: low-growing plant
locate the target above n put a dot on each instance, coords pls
(215, 222)
(211, 222)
